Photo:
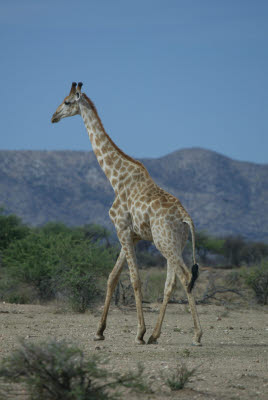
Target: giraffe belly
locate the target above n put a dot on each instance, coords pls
(142, 229)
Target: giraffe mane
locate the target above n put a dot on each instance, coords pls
(93, 107)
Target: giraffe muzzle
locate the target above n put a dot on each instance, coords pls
(55, 118)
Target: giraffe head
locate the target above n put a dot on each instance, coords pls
(69, 106)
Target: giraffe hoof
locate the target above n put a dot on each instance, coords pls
(152, 340)
(98, 337)
(139, 341)
(194, 343)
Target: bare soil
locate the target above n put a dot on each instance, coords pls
(231, 364)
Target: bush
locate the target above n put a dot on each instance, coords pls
(31, 260)
(15, 292)
(11, 229)
(257, 279)
(180, 377)
(153, 284)
(59, 262)
(80, 271)
(58, 370)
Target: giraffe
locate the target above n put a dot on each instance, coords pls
(141, 211)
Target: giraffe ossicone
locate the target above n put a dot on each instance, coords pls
(141, 211)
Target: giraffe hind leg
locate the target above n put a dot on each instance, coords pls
(169, 286)
(185, 282)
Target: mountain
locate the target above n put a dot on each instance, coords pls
(222, 195)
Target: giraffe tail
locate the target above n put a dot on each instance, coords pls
(194, 277)
(195, 267)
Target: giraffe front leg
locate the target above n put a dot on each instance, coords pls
(136, 283)
(111, 284)
(135, 280)
(127, 242)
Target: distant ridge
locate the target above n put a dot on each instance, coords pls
(222, 195)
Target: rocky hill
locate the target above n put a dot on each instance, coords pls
(223, 196)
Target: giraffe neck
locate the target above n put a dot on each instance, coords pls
(116, 165)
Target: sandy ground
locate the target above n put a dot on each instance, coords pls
(231, 364)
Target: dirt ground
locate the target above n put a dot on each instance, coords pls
(231, 364)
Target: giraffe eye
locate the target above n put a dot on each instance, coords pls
(67, 103)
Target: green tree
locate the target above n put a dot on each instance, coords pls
(254, 252)
(207, 244)
(238, 251)
(96, 233)
(232, 249)
(11, 229)
(55, 228)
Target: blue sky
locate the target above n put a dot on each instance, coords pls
(164, 75)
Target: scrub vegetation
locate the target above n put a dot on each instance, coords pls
(72, 263)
